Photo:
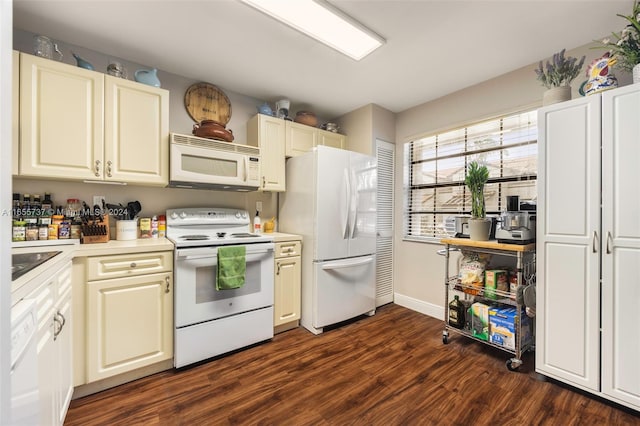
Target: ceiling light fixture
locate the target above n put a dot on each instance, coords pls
(325, 23)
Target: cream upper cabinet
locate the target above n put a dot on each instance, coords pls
(81, 124)
(268, 133)
(299, 139)
(61, 120)
(15, 120)
(335, 140)
(136, 132)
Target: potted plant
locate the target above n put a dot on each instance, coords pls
(557, 76)
(625, 46)
(479, 225)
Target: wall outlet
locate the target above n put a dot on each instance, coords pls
(259, 206)
(98, 199)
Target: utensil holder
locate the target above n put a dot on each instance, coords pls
(127, 230)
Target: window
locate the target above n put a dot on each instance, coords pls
(435, 168)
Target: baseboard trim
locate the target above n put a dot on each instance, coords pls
(435, 311)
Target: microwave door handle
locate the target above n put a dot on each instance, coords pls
(246, 168)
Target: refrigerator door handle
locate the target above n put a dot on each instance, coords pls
(353, 205)
(351, 264)
(345, 205)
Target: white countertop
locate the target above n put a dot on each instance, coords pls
(71, 249)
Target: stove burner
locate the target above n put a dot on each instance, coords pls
(244, 235)
(195, 237)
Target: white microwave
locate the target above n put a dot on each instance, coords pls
(196, 162)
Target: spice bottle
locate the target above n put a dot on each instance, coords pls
(162, 226)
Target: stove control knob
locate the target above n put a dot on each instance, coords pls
(238, 215)
(244, 215)
(174, 215)
(183, 215)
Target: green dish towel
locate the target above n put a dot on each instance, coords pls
(232, 266)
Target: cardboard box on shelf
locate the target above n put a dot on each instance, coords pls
(495, 279)
(503, 326)
(480, 320)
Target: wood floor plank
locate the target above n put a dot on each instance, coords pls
(389, 369)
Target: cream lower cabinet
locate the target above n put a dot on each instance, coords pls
(287, 284)
(84, 125)
(55, 368)
(128, 312)
(268, 133)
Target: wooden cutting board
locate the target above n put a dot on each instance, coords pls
(205, 101)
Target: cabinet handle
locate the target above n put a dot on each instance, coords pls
(278, 271)
(609, 242)
(133, 264)
(264, 182)
(56, 320)
(109, 163)
(595, 242)
(64, 320)
(97, 168)
(166, 290)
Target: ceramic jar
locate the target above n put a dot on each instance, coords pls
(149, 77)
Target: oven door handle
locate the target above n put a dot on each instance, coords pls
(249, 254)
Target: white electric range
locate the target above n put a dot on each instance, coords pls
(208, 321)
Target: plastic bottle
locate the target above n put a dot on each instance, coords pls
(456, 313)
(154, 227)
(257, 225)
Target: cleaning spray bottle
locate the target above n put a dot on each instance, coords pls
(257, 225)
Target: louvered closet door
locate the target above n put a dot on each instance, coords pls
(384, 225)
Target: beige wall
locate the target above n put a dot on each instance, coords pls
(419, 271)
(366, 124)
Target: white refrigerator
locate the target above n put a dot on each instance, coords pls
(331, 201)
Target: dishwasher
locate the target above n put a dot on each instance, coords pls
(24, 364)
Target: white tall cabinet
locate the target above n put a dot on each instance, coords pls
(588, 244)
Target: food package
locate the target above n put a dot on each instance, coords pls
(471, 273)
(495, 279)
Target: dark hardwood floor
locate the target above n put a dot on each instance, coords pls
(389, 369)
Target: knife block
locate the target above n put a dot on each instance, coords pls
(96, 233)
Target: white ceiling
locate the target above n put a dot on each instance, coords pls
(432, 47)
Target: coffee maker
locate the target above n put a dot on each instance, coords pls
(517, 226)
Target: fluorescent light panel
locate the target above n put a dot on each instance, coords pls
(324, 23)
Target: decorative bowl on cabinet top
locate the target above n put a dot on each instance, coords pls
(149, 77)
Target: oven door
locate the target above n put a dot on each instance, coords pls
(196, 297)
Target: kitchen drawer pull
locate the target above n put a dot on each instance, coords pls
(97, 168)
(133, 264)
(109, 163)
(166, 290)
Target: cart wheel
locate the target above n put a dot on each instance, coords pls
(513, 364)
(445, 337)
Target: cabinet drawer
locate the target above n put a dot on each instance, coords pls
(288, 249)
(128, 265)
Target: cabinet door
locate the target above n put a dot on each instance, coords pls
(136, 132)
(299, 138)
(287, 290)
(15, 118)
(331, 139)
(63, 342)
(621, 244)
(61, 120)
(568, 232)
(268, 133)
(129, 324)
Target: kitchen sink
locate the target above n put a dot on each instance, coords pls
(22, 263)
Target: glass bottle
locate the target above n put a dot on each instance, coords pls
(456, 313)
